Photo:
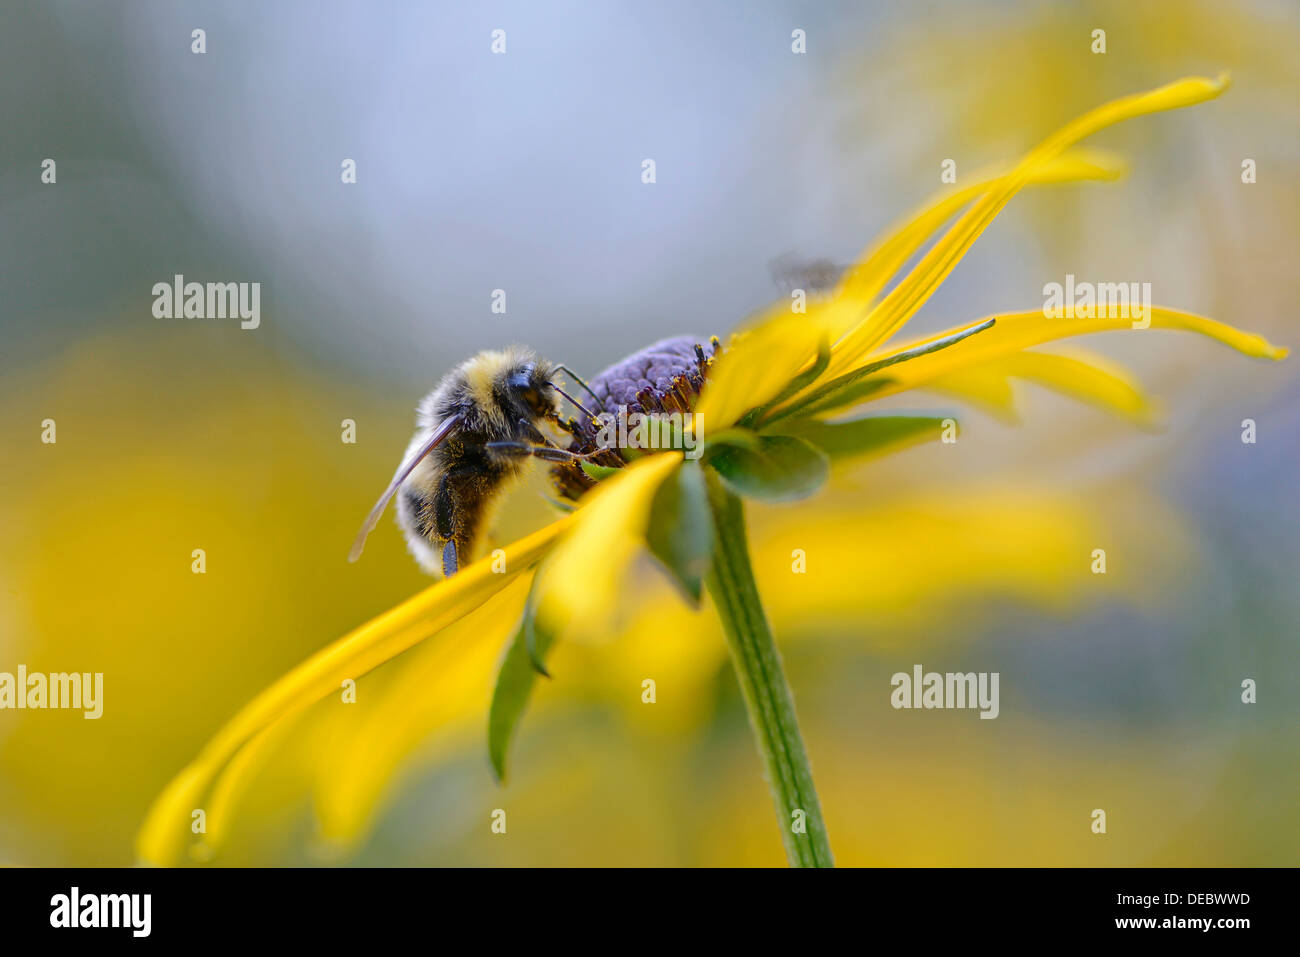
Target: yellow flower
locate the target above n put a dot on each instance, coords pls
(767, 407)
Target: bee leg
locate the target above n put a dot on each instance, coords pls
(567, 425)
(563, 456)
(583, 434)
(540, 447)
(444, 525)
(449, 565)
(531, 431)
(548, 453)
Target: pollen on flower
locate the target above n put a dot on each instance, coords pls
(663, 378)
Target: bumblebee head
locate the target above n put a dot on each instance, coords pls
(525, 387)
(498, 388)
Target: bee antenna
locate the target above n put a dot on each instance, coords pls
(578, 379)
(574, 401)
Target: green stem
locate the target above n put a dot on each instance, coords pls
(762, 682)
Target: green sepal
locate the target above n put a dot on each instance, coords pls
(782, 468)
(680, 535)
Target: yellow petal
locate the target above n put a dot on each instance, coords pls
(579, 582)
(165, 833)
(760, 360)
(1085, 376)
(1013, 332)
(912, 292)
(878, 264)
(235, 778)
(432, 703)
(931, 546)
(763, 357)
(1013, 542)
(167, 826)
(986, 388)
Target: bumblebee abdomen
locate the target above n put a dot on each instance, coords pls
(451, 499)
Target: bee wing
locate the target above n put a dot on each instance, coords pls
(441, 432)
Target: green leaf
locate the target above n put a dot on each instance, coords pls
(680, 534)
(876, 435)
(515, 680)
(783, 468)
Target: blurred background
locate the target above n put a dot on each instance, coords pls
(522, 172)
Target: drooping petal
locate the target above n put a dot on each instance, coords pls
(167, 826)
(432, 703)
(912, 292)
(578, 582)
(234, 780)
(435, 704)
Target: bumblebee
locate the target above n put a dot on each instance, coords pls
(477, 429)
